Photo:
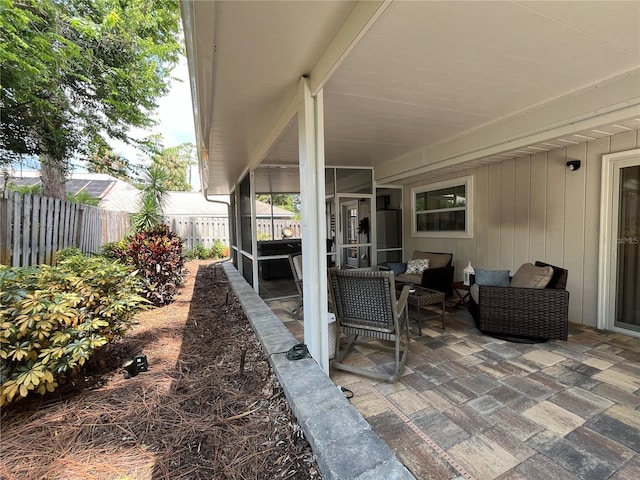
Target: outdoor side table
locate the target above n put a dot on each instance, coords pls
(463, 298)
(421, 297)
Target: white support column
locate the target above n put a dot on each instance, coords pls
(254, 228)
(314, 247)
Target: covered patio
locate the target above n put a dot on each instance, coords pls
(528, 113)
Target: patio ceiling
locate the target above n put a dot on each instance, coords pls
(409, 87)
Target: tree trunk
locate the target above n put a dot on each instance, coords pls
(53, 180)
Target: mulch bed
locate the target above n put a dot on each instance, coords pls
(208, 407)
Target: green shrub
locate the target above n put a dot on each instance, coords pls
(219, 249)
(53, 318)
(156, 254)
(67, 253)
(198, 251)
(115, 250)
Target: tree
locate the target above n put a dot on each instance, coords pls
(76, 73)
(176, 162)
(288, 201)
(107, 161)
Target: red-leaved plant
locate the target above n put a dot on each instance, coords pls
(157, 255)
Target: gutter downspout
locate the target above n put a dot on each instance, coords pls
(206, 197)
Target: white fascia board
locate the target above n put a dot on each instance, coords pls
(202, 100)
(607, 102)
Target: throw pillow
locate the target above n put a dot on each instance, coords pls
(397, 268)
(417, 266)
(530, 276)
(496, 278)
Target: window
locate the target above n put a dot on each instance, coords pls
(444, 209)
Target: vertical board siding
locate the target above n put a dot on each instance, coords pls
(538, 202)
(494, 218)
(522, 205)
(574, 221)
(34, 228)
(507, 214)
(556, 207)
(533, 208)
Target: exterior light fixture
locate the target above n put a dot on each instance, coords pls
(573, 165)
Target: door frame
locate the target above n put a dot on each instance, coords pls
(608, 256)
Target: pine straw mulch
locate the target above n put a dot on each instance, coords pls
(208, 407)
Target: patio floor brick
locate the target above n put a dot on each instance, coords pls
(471, 404)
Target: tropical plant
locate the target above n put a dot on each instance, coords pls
(152, 201)
(156, 254)
(54, 318)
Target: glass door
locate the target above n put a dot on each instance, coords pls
(628, 239)
(619, 269)
(355, 246)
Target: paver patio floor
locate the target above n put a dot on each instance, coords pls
(472, 406)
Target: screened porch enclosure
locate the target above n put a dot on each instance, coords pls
(363, 225)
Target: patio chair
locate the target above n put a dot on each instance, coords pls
(296, 269)
(438, 274)
(365, 305)
(520, 312)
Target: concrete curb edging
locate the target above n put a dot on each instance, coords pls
(342, 441)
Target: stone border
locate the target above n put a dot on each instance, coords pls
(344, 445)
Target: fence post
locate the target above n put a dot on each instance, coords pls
(79, 227)
(5, 229)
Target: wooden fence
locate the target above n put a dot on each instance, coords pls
(199, 230)
(206, 230)
(34, 228)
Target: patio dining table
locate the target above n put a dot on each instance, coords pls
(422, 297)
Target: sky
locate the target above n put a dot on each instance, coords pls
(175, 116)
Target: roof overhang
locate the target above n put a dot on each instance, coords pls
(409, 88)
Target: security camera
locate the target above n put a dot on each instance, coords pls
(573, 165)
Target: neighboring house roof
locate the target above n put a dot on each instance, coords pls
(98, 185)
(116, 194)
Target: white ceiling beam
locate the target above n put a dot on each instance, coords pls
(613, 100)
(363, 16)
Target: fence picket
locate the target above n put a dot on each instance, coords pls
(5, 229)
(34, 228)
(17, 229)
(42, 230)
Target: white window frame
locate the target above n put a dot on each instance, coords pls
(468, 232)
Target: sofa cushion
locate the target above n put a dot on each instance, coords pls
(415, 278)
(497, 278)
(436, 260)
(530, 276)
(417, 265)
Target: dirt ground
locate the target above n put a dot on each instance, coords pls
(209, 406)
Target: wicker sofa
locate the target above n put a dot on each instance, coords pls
(524, 314)
(439, 275)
